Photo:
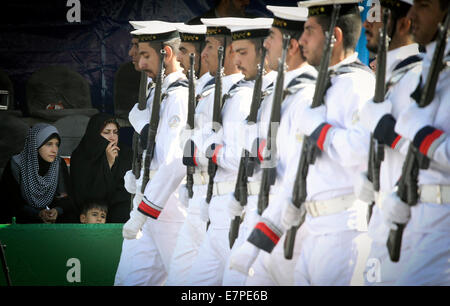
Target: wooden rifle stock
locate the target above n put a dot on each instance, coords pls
(154, 122)
(309, 150)
(414, 159)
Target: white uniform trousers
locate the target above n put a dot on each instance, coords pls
(150, 255)
(208, 267)
(330, 251)
(380, 270)
(429, 263)
(251, 217)
(189, 240)
(273, 269)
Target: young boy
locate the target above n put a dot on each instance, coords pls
(94, 212)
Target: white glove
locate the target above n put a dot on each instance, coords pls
(363, 188)
(291, 215)
(311, 118)
(371, 113)
(215, 137)
(250, 134)
(138, 118)
(183, 195)
(132, 227)
(130, 182)
(234, 207)
(243, 257)
(414, 118)
(204, 214)
(394, 210)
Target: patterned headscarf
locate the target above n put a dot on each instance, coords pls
(39, 191)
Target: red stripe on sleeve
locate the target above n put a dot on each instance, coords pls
(323, 135)
(216, 152)
(261, 147)
(428, 141)
(394, 143)
(268, 232)
(149, 210)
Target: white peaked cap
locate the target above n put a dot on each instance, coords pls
(244, 24)
(191, 29)
(293, 13)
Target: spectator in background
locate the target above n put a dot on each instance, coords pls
(225, 8)
(98, 166)
(36, 181)
(94, 212)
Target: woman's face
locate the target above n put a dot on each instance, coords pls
(49, 150)
(111, 132)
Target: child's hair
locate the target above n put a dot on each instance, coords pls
(94, 204)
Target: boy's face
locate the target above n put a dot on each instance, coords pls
(93, 216)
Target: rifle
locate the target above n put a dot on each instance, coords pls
(5, 265)
(309, 150)
(190, 170)
(407, 189)
(154, 122)
(240, 191)
(269, 171)
(376, 150)
(216, 119)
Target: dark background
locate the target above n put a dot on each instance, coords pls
(35, 34)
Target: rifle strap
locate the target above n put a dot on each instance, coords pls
(298, 83)
(402, 68)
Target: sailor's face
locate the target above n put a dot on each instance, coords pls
(209, 53)
(245, 58)
(312, 41)
(183, 56)
(148, 60)
(273, 43)
(372, 29)
(134, 53)
(425, 16)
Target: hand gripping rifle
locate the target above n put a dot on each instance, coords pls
(240, 191)
(190, 170)
(154, 122)
(376, 150)
(269, 171)
(407, 188)
(216, 119)
(309, 149)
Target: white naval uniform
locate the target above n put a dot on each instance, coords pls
(287, 147)
(193, 230)
(329, 250)
(380, 270)
(130, 246)
(151, 260)
(429, 228)
(209, 265)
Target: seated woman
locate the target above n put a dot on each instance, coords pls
(35, 183)
(97, 168)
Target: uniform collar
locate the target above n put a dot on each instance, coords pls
(290, 75)
(229, 80)
(349, 59)
(172, 77)
(394, 57)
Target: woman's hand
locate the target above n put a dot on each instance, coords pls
(48, 215)
(112, 151)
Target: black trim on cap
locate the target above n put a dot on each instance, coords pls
(158, 37)
(327, 10)
(248, 34)
(286, 24)
(191, 37)
(213, 31)
(397, 6)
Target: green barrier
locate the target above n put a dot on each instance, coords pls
(61, 254)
